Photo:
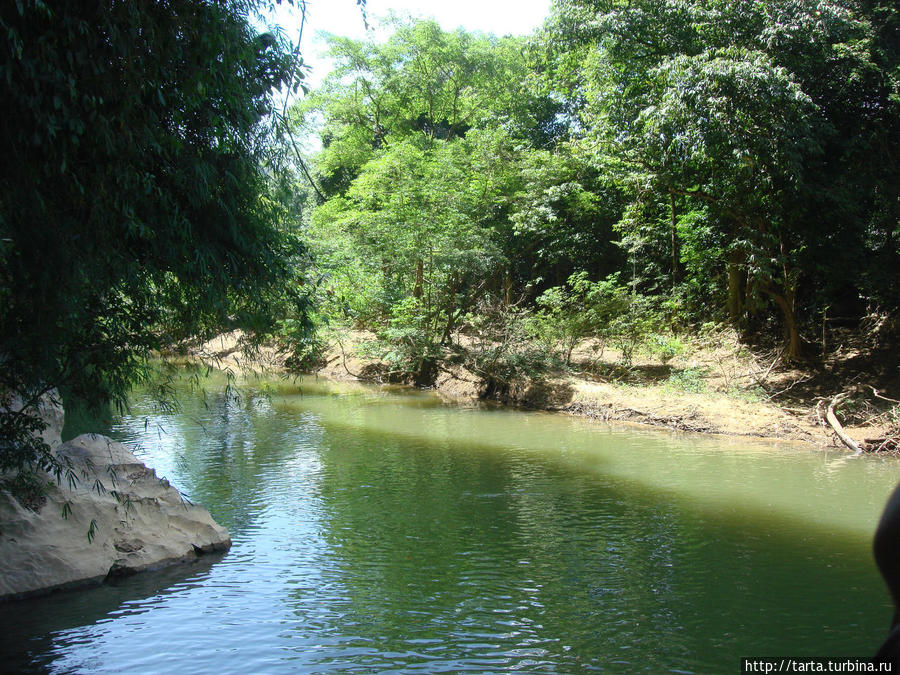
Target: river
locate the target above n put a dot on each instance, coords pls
(385, 531)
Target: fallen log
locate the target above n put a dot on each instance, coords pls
(835, 424)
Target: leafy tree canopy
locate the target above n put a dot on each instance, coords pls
(136, 188)
(762, 120)
(422, 81)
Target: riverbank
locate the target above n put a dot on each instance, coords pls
(715, 386)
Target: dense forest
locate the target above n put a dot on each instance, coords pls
(633, 171)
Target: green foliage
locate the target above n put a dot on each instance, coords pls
(606, 310)
(303, 346)
(21, 445)
(504, 351)
(562, 213)
(631, 329)
(689, 379)
(665, 347)
(405, 250)
(92, 531)
(738, 129)
(422, 82)
(705, 161)
(558, 323)
(581, 309)
(138, 201)
(408, 343)
(753, 394)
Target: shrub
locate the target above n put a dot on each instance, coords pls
(689, 379)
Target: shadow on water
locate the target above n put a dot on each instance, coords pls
(531, 565)
(29, 626)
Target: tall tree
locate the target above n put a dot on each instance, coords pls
(135, 181)
(425, 82)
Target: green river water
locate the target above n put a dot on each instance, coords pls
(378, 531)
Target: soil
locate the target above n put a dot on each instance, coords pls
(716, 385)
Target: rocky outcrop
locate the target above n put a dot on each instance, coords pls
(118, 518)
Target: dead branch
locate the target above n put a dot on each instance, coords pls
(892, 441)
(835, 424)
(344, 359)
(762, 381)
(883, 398)
(803, 412)
(789, 387)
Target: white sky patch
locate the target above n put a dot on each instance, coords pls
(342, 17)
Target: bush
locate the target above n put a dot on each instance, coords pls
(665, 348)
(409, 344)
(578, 310)
(301, 342)
(689, 379)
(504, 350)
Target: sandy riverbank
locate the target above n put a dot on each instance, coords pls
(715, 387)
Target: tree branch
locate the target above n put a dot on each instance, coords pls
(833, 422)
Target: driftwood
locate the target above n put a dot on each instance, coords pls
(889, 443)
(883, 398)
(835, 424)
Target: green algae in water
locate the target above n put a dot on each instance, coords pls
(376, 531)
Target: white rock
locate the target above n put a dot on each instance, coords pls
(137, 520)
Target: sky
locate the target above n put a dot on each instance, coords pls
(342, 17)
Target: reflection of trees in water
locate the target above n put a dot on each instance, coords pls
(473, 552)
(410, 526)
(31, 627)
(461, 551)
(222, 450)
(476, 553)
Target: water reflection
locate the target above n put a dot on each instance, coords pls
(375, 532)
(30, 627)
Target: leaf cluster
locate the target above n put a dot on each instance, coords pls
(137, 201)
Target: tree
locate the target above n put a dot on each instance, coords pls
(422, 139)
(422, 81)
(772, 125)
(731, 130)
(561, 218)
(136, 191)
(407, 249)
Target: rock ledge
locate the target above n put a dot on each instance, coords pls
(120, 519)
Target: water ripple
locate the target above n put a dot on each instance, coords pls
(375, 533)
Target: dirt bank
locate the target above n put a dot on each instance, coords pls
(715, 386)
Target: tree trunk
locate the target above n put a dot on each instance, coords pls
(737, 281)
(420, 279)
(451, 308)
(785, 302)
(676, 256)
